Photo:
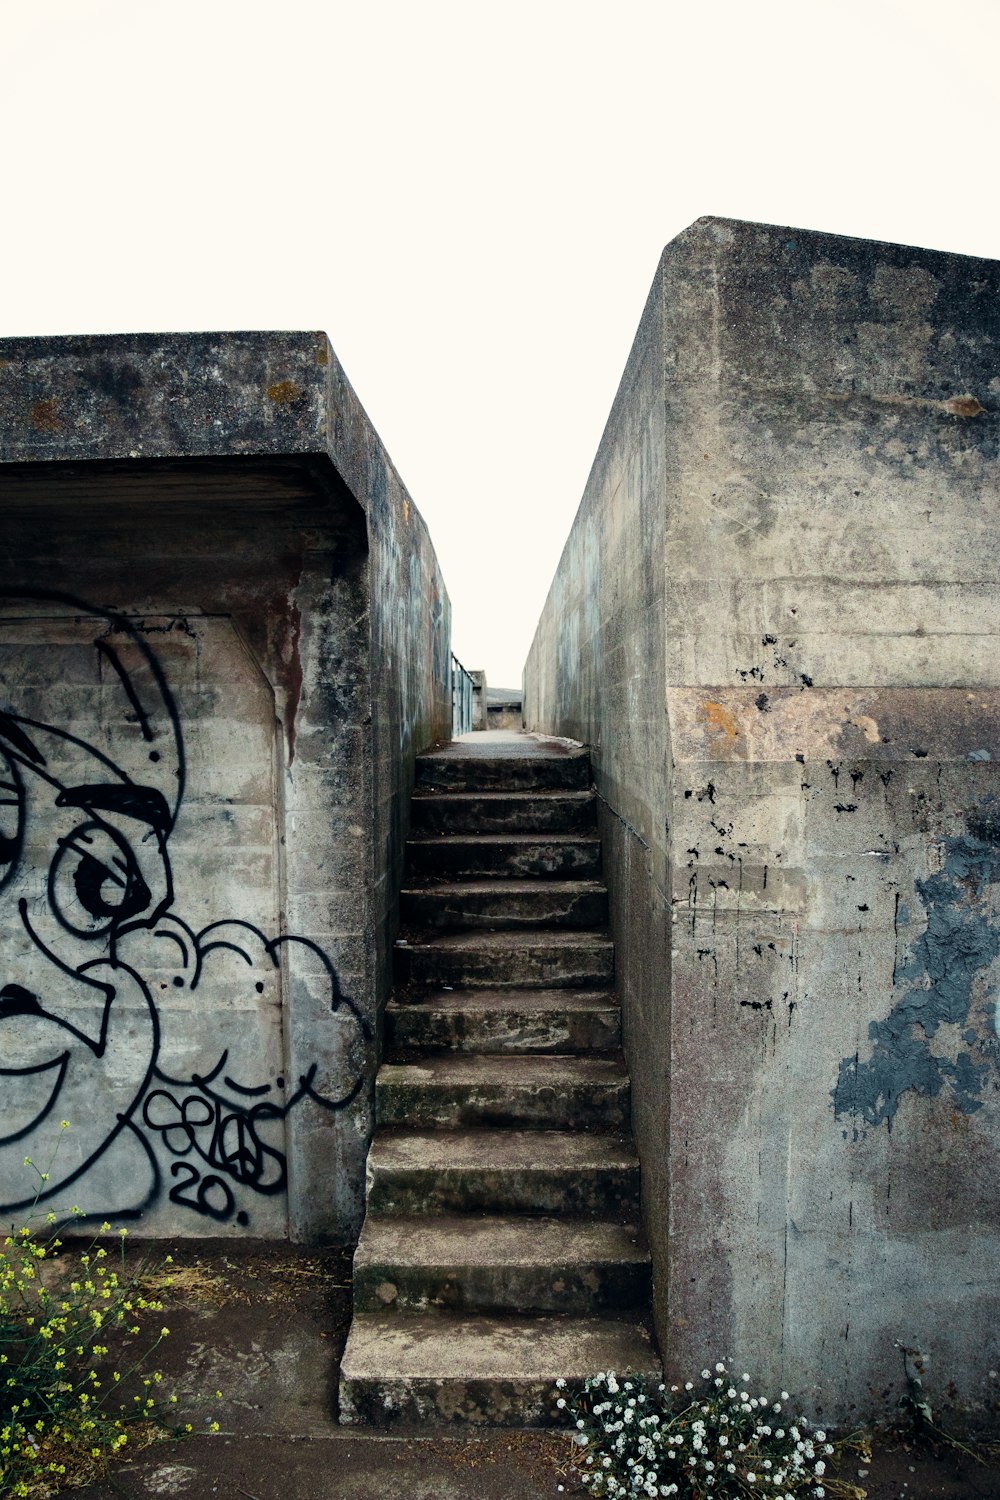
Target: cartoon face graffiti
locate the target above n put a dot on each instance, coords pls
(83, 857)
(97, 961)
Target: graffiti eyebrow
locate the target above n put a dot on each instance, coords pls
(144, 803)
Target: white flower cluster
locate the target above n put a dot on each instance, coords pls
(639, 1438)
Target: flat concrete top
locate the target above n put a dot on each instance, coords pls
(169, 396)
(498, 744)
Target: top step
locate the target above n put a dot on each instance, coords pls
(516, 763)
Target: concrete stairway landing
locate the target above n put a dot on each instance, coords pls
(502, 1244)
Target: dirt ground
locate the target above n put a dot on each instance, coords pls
(265, 1324)
(899, 1472)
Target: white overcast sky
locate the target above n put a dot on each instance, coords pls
(471, 199)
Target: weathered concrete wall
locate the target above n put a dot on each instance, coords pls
(410, 691)
(504, 708)
(222, 631)
(821, 507)
(504, 716)
(595, 673)
(479, 696)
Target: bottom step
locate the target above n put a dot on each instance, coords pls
(495, 1371)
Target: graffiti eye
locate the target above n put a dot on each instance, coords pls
(11, 818)
(94, 881)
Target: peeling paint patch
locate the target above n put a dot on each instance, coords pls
(868, 727)
(959, 942)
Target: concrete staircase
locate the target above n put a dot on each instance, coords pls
(502, 1244)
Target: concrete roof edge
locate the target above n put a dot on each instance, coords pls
(726, 231)
(181, 395)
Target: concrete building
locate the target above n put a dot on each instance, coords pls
(224, 638)
(504, 708)
(775, 623)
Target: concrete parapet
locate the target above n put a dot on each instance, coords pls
(775, 624)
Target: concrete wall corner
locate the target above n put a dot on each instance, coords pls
(818, 499)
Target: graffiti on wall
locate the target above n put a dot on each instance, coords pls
(158, 1038)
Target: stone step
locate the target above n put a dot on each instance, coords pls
(503, 812)
(450, 770)
(445, 1367)
(540, 1171)
(498, 1020)
(540, 959)
(544, 1093)
(499, 1263)
(501, 1179)
(515, 904)
(527, 856)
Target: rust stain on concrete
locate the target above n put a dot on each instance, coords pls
(285, 393)
(290, 673)
(720, 720)
(45, 416)
(963, 406)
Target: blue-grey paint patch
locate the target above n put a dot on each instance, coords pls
(980, 755)
(958, 943)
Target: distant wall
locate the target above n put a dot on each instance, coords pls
(504, 716)
(504, 709)
(223, 637)
(776, 623)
